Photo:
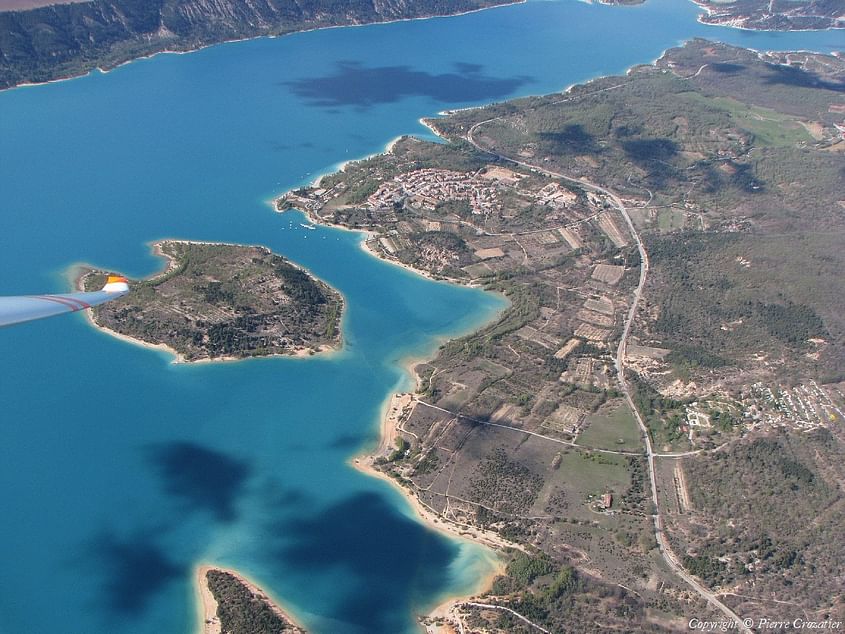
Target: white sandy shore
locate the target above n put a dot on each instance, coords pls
(427, 516)
(365, 245)
(393, 410)
(430, 518)
(209, 623)
(322, 351)
(340, 167)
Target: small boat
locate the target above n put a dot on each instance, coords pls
(305, 226)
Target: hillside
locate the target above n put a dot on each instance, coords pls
(775, 15)
(720, 169)
(65, 40)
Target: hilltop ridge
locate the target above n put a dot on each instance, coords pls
(67, 40)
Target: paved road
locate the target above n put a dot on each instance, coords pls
(490, 606)
(530, 433)
(662, 542)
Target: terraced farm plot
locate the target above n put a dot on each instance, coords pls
(532, 334)
(600, 305)
(593, 333)
(571, 238)
(608, 273)
(567, 348)
(547, 237)
(485, 254)
(646, 352)
(594, 318)
(564, 419)
(611, 230)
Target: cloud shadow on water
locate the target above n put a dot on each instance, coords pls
(395, 559)
(353, 84)
(134, 570)
(204, 478)
(345, 441)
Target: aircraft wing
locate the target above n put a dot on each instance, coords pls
(14, 310)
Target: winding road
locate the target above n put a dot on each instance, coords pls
(666, 551)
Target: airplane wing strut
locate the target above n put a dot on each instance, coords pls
(15, 310)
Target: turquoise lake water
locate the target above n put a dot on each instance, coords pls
(120, 471)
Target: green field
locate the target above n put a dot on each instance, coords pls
(582, 474)
(770, 128)
(614, 430)
(670, 219)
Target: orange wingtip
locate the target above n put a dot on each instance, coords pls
(116, 278)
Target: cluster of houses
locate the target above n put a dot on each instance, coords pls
(804, 406)
(426, 188)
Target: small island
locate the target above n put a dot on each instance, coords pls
(219, 302)
(233, 605)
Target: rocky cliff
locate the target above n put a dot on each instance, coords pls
(65, 40)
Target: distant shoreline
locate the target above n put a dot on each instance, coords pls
(104, 69)
(737, 23)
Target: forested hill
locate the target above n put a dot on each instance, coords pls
(70, 39)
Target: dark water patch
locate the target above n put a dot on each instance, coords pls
(395, 557)
(277, 497)
(468, 68)
(354, 84)
(345, 441)
(292, 498)
(134, 571)
(206, 479)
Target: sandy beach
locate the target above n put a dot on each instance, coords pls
(206, 603)
(209, 623)
(365, 245)
(430, 518)
(397, 408)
